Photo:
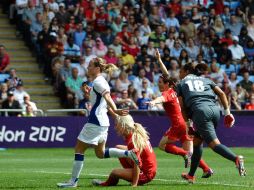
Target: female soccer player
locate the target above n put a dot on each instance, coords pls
(95, 131)
(136, 138)
(199, 97)
(178, 130)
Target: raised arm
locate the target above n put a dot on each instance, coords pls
(162, 66)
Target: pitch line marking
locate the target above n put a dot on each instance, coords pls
(156, 179)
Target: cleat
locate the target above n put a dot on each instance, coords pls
(97, 182)
(187, 177)
(187, 160)
(240, 165)
(134, 157)
(69, 184)
(208, 173)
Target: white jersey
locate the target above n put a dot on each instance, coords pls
(98, 114)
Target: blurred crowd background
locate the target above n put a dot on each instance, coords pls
(65, 35)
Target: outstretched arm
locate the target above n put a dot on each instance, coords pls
(112, 105)
(162, 66)
(157, 100)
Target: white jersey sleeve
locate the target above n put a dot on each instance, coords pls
(101, 85)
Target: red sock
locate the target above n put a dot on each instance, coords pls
(171, 148)
(104, 184)
(203, 165)
(111, 181)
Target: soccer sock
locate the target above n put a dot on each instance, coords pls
(111, 181)
(225, 152)
(115, 153)
(203, 165)
(195, 159)
(77, 167)
(171, 148)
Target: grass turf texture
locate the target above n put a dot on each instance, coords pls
(43, 168)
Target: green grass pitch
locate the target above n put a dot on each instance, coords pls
(41, 169)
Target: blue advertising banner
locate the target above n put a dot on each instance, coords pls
(18, 132)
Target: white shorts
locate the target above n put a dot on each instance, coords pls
(93, 134)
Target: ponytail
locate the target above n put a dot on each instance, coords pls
(139, 135)
(109, 68)
(104, 67)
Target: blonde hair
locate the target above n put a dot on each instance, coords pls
(104, 67)
(139, 135)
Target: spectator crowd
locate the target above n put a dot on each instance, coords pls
(65, 35)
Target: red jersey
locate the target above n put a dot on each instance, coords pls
(148, 163)
(172, 107)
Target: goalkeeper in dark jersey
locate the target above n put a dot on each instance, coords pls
(197, 95)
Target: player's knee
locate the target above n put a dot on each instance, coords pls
(213, 143)
(79, 150)
(161, 146)
(114, 172)
(100, 155)
(118, 146)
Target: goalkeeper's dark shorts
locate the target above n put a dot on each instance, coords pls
(205, 121)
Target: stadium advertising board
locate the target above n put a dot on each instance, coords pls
(63, 131)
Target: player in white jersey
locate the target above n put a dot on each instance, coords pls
(95, 131)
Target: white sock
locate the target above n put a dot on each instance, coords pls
(77, 167)
(115, 153)
(76, 170)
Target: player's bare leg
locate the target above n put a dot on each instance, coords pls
(80, 149)
(115, 175)
(168, 146)
(100, 150)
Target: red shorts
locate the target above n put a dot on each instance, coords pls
(143, 177)
(179, 132)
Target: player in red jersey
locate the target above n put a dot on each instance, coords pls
(178, 131)
(136, 138)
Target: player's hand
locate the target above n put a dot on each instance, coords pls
(122, 112)
(150, 103)
(229, 121)
(157, 54)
